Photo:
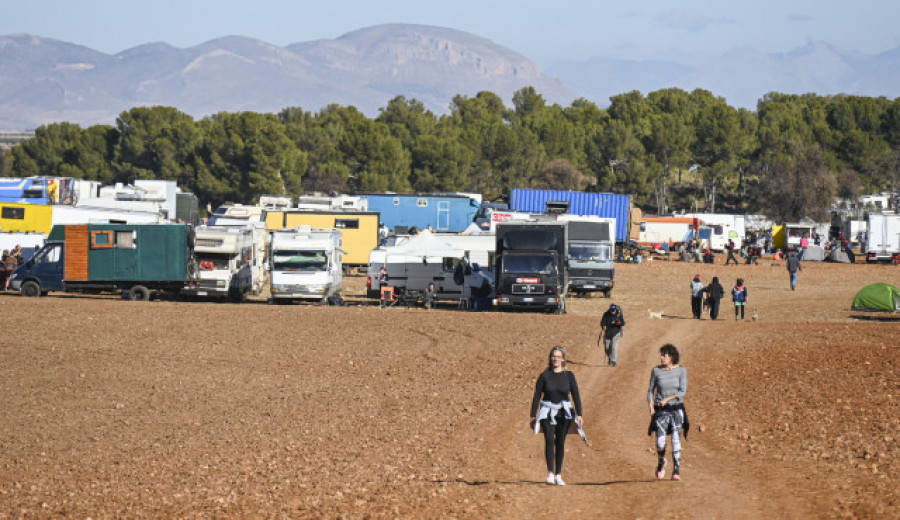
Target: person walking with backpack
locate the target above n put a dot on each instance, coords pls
(697, 290)
(739, 297)
(714, 294)
(610, 332)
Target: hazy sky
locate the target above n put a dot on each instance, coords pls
(545, 32)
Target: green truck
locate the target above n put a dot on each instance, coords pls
(136, 259)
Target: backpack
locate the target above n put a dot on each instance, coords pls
(617, 320)
(738, 295)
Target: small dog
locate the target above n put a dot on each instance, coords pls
(657, 315)
(755, 315)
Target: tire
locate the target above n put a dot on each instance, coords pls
(608, 293)
(31, 289)
(235, 295)
(139, 293)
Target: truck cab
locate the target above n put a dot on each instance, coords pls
(42, 273)
(305, 265)
(531, 266)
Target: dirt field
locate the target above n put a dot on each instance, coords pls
(132, 409)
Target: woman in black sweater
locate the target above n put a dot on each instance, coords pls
(553, 412)
(714, 294)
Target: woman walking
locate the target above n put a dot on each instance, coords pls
(668, 384)
(739, 297)
(553, 412)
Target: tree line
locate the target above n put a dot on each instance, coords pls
(670, 149)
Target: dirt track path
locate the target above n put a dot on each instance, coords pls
(613, 477)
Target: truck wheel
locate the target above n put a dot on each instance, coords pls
(608, 293)
(235, 295)
(31, 289)
(139, 293)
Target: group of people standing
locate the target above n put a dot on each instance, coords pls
(8, 263)
(556, 405)
(711, 295)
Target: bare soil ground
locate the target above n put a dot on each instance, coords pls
(174, 409)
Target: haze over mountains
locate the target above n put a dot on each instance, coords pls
(44, 80)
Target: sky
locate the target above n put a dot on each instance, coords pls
(687, 31)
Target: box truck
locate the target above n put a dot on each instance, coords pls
(530, 266)
(883, 238)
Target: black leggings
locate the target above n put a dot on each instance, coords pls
(555, 443)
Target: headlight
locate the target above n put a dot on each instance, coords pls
(220, 283)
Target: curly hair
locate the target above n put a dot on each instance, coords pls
(670, 350)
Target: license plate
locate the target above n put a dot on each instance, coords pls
(527, 300)
(201, 293)
(590, 286)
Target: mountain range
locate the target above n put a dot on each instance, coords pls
(43, 80)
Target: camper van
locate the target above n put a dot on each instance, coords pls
(359, 229)
(225, 258)
(305, 265)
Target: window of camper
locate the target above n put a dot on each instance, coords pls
(13, 213)
(450, 264)
(422, 203)
(126, 239)
(346, 223)
(101, 239)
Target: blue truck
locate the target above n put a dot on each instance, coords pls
(603, 205)
(446, 213)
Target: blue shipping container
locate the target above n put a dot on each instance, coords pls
(444, 213)
(605, 205)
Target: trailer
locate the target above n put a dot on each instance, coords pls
(444, 213)
(359, 229)
(226, 260)
(305, 265)
(138, 260)
(665, 232)
(604, 205)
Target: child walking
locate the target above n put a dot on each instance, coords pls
(739, 297)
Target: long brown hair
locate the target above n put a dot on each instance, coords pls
(550, 357)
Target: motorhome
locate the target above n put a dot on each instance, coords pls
(359, 229)
(236, 212)
(226, 260)
(716, 236)
(305, 265)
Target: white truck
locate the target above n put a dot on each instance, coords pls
(883, 238)
(227, 260)
(305, 265)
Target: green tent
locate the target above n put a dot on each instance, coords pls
(877, 297)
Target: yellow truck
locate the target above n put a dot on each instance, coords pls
(359, 229)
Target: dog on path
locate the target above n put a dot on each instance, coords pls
(755, 315)
(656, 315)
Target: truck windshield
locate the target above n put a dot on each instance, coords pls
(303, 261)
(530, 264)
(589, 252)
(213, 261)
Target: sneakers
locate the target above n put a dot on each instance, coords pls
(559, 481)
(676, 475)
(661, 469)
(551, 480)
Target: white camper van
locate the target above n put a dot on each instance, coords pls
(226, 259)
(305, 264)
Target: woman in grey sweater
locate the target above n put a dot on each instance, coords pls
(668, 384)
